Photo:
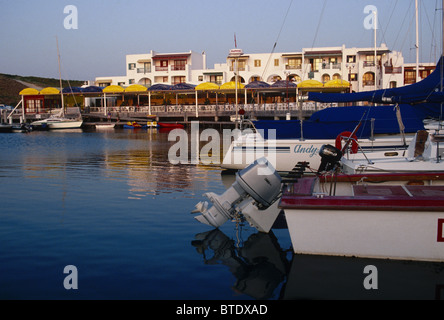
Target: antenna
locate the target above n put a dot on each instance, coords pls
(60, 76)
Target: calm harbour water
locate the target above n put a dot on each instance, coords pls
(112, 205)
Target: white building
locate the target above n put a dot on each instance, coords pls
(356, 65)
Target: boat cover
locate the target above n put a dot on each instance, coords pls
(330, 122)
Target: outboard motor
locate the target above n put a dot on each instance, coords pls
(253, 194)
(330, 156)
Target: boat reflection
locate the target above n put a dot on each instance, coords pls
(259, 266)
(264, 270)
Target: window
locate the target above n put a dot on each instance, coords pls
(178, 79)
(353, 77)
(218, 79)
(410, 77)
(316, 64)
(294, 63)
(179, 64)
(131, 66)
(200, 78)
(276, 62)
(257, 63)
(131, 81)
(325, 78)
(121, 84)
(241, 65)
(368, 79)
(351, 59)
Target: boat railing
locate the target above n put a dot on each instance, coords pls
(349, 140)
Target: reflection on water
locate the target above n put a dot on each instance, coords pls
(74, 198)
(263, 271)
(139, 158)
(259, 264)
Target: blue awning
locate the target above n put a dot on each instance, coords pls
(72, 90)
(160, 87)
(92, 89)
(183, 86)
(257, 85)
(283, 84)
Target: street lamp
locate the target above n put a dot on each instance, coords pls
(236, 53)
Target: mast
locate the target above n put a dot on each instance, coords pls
(417, 42)
(60, 77)
(376, 56)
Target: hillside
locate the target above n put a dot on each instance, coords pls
(11, 85)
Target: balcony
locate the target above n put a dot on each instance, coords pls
(158, 68)
(143, 70)
(293, 67)
(240, 68)
(392, 70)
(327, 66)
(368, 63)
(178, 68)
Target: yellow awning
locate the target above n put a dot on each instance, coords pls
(310, 84)
(231, 86)
(29, 91)
(113, 89)
(49, 91)
(206, 86)
(135, 88)
(337, 83)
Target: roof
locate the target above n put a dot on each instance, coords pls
(170, 56)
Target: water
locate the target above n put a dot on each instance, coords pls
(111, 204)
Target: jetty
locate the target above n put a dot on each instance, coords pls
(224, 114)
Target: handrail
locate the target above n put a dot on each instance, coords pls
(10, 114)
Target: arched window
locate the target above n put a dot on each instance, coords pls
(145, 82)
(368, 79)
(325, 78)
(240, 79)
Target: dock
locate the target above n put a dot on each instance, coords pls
(210, 115)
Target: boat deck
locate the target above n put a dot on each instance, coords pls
(306, 193)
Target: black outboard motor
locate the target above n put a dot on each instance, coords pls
(330, 156)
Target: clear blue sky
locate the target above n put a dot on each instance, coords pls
(110, 29)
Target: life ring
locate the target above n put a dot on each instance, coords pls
(354, 141)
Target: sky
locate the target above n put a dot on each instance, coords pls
(107, 30)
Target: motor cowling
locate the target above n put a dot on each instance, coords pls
(330, 156)
(253, 194)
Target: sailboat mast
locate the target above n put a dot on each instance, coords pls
(60, 75)
(376, 56)
(417, 42)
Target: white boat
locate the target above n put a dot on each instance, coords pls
(65, 119)
(284, 154)
(388, 215)
(396, 216)
(105, 125)
(424, 153)
(70, 120)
